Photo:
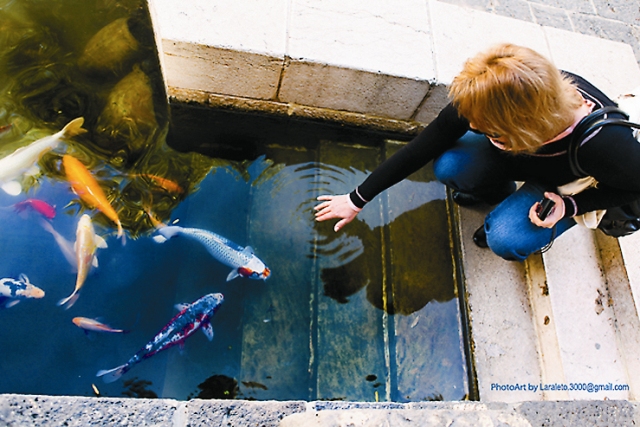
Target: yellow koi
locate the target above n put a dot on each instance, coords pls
(87, 242)
(86, 186)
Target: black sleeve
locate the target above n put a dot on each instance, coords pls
(439, 135)
(612, 158)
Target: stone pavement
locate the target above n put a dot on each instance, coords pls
(615, 20)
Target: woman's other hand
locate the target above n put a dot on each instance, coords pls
(555, 215)
(336, 207)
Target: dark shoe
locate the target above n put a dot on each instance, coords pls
(480, 238)
(466, 199)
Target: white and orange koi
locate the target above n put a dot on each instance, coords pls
(94, 325)
(88, 189)
(242, 260)
(20, 161)
(12, 291)
(87, 242)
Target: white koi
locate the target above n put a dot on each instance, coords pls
(13, 166)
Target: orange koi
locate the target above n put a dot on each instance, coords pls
(164, 183)
(94, 325)
(86, 186)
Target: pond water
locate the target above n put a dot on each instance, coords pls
(368, 314)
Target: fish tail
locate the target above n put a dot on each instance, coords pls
(111, 375)
(69, 301)
(121, 233)
(73, 128)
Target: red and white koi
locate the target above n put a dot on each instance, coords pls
(192, 317)
(12, 291)
(20, 161)
(243, 261)
(87, 242)
(95, 325)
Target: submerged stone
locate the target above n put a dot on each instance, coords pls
(128, 118)
(110, 51)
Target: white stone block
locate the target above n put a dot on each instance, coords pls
(325, 86)
(502, 329)
(380, 36)
(583, 316)
(220, 71)
(459, 33)
(609, 65)
(630, 247)
(256, 26)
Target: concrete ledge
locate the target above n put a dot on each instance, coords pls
(18, 410)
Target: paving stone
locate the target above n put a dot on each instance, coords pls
(551, 17)
(518, 9)
(582, 6)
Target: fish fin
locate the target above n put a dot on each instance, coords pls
(181, 348)
(73, 128)
(12, 188)
(248, 250)
(159, 239)
(208, 330)
(69, 301)
(232, 275)
(23, 278)
(12, 303)
(32, 171)
(100, 242)
(167, 233)
(94, 262)
(111, 375)
(121, 234)
(182, 306)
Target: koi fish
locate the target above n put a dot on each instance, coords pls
(20, 161)
(87, 242)
(40, 206)
(164, 183)
(192, 317)
(13, 291)
(94, 325)
(88, 189)
(243, 261)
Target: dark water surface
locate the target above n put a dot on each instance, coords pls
(371, 313)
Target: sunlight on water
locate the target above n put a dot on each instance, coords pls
(369, 313)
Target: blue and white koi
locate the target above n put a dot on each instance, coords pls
(21, 161)
(243, 261)
(87, 242)
(12, 291)
(192, 317)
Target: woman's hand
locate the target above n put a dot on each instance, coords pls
(555, 215)
(336, 207)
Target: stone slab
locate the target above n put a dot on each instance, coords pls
(502, 330)
(583, 315)
(250, 25)
(378, 36)
(221, 71)
(347, 89)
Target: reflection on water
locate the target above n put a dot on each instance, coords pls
(367, 314)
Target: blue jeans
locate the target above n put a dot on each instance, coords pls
(474, 166)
